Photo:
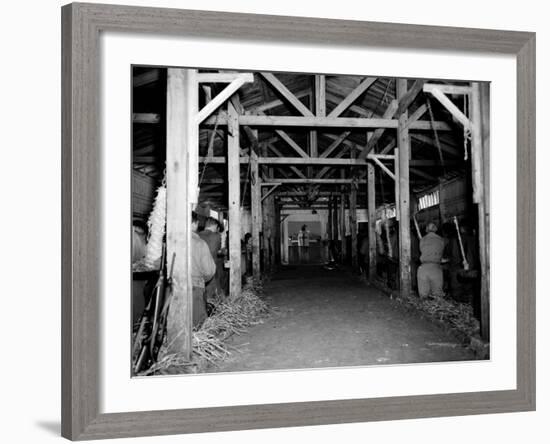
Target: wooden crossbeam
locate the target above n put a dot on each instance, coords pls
(335, 100)
(290, 141)
(268, 192)
(428, 140)
(325, 170)
(451, 107)
(352, 97)
(318, 181)
(313, 122)
(278, 153)
(418, 113)
(383, 167)
(290, 160)
(227, 92)
(388, 148)
(396, 108)
(447, 89)
(410, 95)
(326, 122)
(335, 144)
(388, 114)
(285, 92)
(223, 77)
(276, 103)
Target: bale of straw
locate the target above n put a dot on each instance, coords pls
(232, 316)
(457, 315)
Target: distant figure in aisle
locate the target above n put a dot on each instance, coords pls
(303, 244)
(213, 239)
(430, 274)
(203, 269)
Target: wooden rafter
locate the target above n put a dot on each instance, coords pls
(451, 107)
(278, 153)
(290, 142)
(396, 108)
(276, 103)
(335, 144)
(225, 94)
(335, 100)
(352, 97)
(418, 113)
(388, 114)
(285, 92)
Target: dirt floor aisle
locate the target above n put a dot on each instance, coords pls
(326, 318)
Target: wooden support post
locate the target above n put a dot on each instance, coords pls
(353, 224)
(480, 106)
(320, 111)
(397, 184)
(256, 206)
(371, 210)
(181, 139)
(277, 242)
(329, 220)
(404, 144)
(335, 230)
(234, 210)
(272, 232)
(343, 226)
(267, 219)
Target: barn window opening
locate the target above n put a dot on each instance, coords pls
(428, 200)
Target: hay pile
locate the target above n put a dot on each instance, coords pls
(232, 316)
(458, 316)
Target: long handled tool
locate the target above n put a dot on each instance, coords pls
(464, 261)
(417, 227)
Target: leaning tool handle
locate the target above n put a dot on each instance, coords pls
(417, 227)
(158, 296)
(464, 261)
(167, 300)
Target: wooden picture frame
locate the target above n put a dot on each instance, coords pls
(81, 172)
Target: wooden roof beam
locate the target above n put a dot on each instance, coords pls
(276, 103)
(278, 153)
(394, 108)
(285, 92)
(353, 96)
(327, 122)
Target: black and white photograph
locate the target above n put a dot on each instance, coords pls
(287, 221)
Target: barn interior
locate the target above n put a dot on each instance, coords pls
(360, 164)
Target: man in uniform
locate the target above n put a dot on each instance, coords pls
(203, 269)
(430, 275)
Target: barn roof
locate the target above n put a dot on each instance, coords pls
(435, 154)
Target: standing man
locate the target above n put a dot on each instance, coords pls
(430, 275)
(203, 269)
(213, 239)
(303, 243)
